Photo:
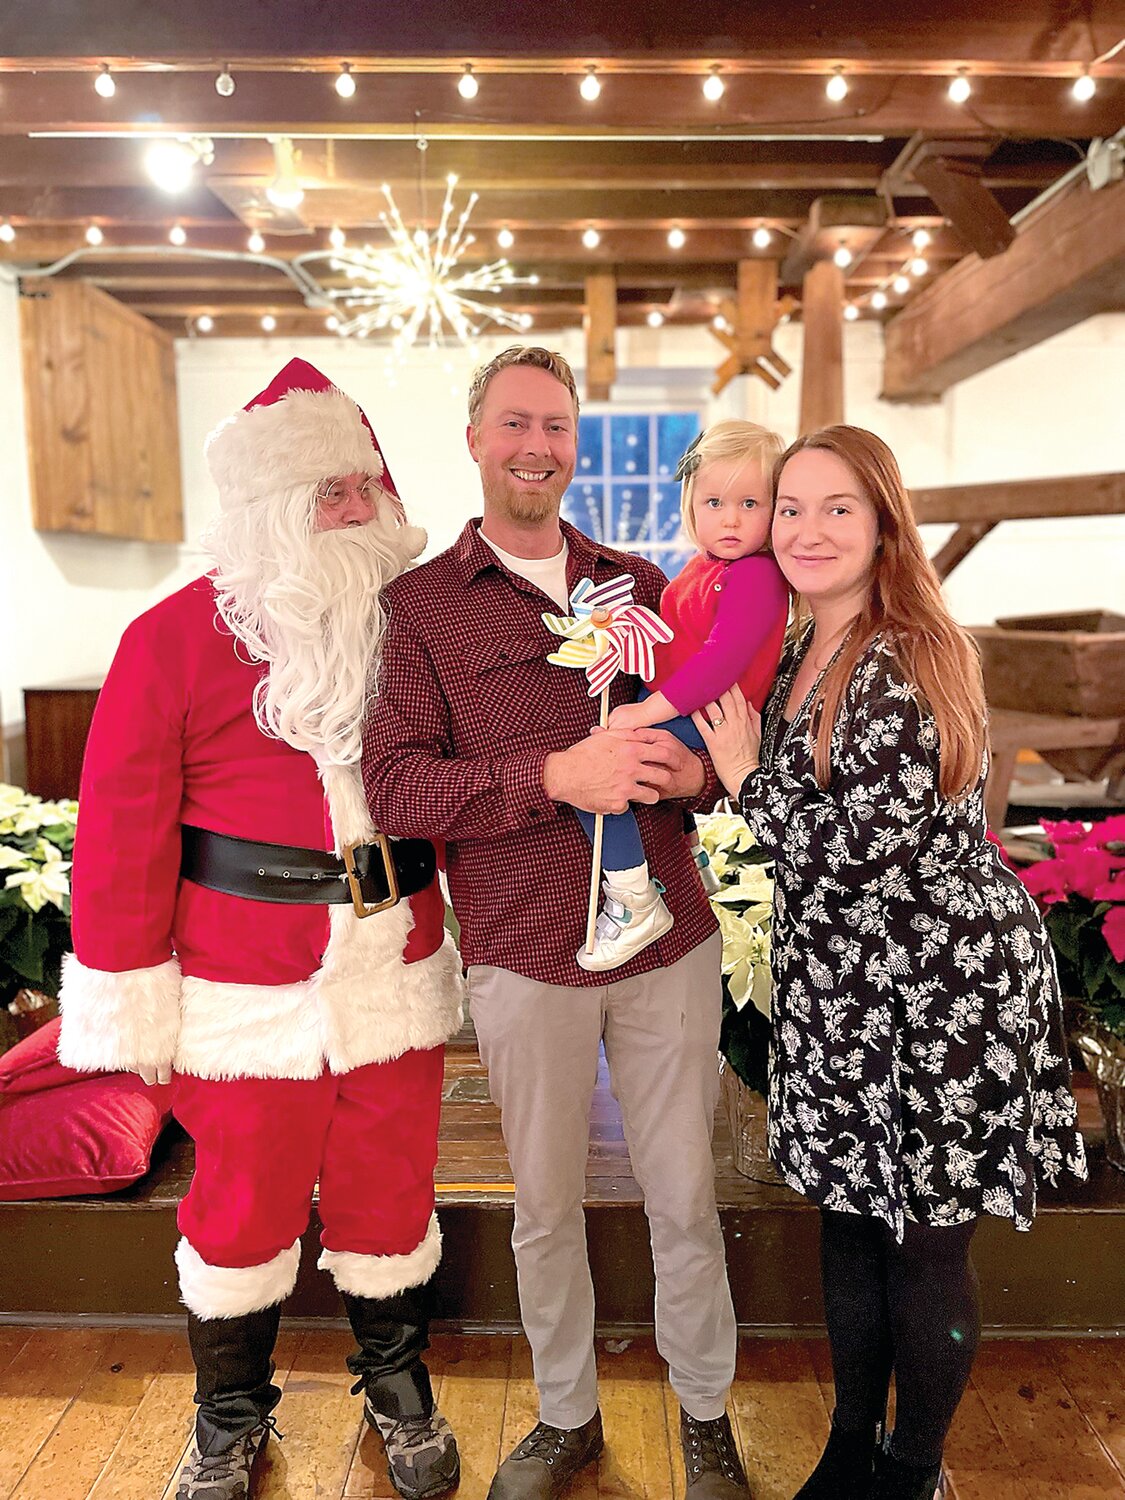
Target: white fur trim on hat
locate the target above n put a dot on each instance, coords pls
(113, 1023)
(232, 1291)
(384, 1275)
(304, 437)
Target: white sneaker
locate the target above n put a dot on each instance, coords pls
(626, 925)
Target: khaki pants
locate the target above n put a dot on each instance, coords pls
(540, 1045)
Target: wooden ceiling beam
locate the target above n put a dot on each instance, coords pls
(951, 172)
(835, 220)
(1067, 263)
(1021, 499)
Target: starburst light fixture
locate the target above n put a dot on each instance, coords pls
(418, 286)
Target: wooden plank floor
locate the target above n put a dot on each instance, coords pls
(105, 1414)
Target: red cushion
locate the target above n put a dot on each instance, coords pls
(72, 1132)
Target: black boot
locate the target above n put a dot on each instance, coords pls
(235, 1396)
(895, 1480)
(846, 1466)
(392, 1334)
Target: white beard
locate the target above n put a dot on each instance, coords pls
(310, 609)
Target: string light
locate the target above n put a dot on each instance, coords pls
(879, 300)
(255, 244)
(836, 88)
(332, 322)
(901, 285)
(1084, 88)
(345, 83)
(204, 323)
(920, 239)
(269, 323)
(851, 312)
(761, 238)
(526, 321)
(467, 85)
(177, 234)
(960, 88)
(171, 165)
(285, 191)
(591, 86)
(94, 236)
(224, 83)
(843, 257)
(919, 266)
(713, 86)
(720, 323)
(337, 238)
(677, 239)
(7, 232)
(104, 84)
(655, 318)
(591, 238)
(505, 239)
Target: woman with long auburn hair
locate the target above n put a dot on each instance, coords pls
(918, 1065)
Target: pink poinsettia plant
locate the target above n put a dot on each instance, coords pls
(1081, 890)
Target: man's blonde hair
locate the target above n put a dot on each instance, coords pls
(521, 354)
(725, 442)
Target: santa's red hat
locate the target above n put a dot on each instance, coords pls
(300, 430)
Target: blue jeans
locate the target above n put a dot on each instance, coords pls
(621, 842)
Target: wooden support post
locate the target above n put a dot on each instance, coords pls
(600, 324)
(959, 545)
(822, 364)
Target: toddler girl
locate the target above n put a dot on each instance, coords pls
(728, 609)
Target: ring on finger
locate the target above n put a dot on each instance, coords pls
(718, 721)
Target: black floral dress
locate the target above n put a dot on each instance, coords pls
(918, 1064)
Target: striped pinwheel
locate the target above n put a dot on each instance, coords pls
(607, 633)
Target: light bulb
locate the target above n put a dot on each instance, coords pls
(332, 322)
(7, 233)
(94, 236)
(960, 88)
(204, 323)
(843, 257)
(1084, 88)
(224, 83)
(467, 85)
(719, 322)
(269, 323)
(677, 239)
(337, 238)
(713, 86)
(591, 238)
(920, 239)
(762, 238)
(505, 239)
(901, 285)
(177, 234)
(170, 164)
(837, 86)
(526, 321)
(655, 318)
(590, 87)
(878, 300)
(104, 84)
(255, 244)
(851, 312)
(919, 266)
(345, 83)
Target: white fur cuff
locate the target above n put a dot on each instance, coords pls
(384, 1275)
(115, 1023)
(232, 1291)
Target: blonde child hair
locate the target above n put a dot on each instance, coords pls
(721, 443)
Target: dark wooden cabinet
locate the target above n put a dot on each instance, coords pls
(56, 722)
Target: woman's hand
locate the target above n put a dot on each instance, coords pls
(732, 735)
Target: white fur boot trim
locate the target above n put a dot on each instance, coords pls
(117, 1023)
(231, 1291)
(384, 1275)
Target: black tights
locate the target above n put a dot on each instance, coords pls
(912, 1308)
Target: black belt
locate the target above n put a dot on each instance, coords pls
(371, 876)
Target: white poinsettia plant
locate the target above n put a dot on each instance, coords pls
(36, 842)
(744, 907)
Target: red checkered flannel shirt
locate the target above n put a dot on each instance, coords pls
(467, 709)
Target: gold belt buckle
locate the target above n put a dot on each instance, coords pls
(360, 907)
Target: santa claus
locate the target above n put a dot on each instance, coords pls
(239, 923)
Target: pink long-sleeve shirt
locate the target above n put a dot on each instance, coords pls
(729, 619)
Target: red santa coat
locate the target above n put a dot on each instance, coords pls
(165, 971)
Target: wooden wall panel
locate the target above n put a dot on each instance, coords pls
(102, 423)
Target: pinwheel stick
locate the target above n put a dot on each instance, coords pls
(598, 618)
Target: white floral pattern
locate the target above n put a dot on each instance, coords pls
(918, 1063)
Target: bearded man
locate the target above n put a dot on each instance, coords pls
(224, 863)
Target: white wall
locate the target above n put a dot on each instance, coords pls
(1054, 410)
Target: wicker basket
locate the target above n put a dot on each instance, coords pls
(746, 1116)
(1104, 1055)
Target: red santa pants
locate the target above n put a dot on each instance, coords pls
(370, 1136)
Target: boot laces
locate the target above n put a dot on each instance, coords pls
(543, 1442)
(711, 1447)
(225, 1465)
(411, 1432)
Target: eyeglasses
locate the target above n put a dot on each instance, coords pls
(335, 493)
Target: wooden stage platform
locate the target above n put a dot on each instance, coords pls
(110, 1259)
